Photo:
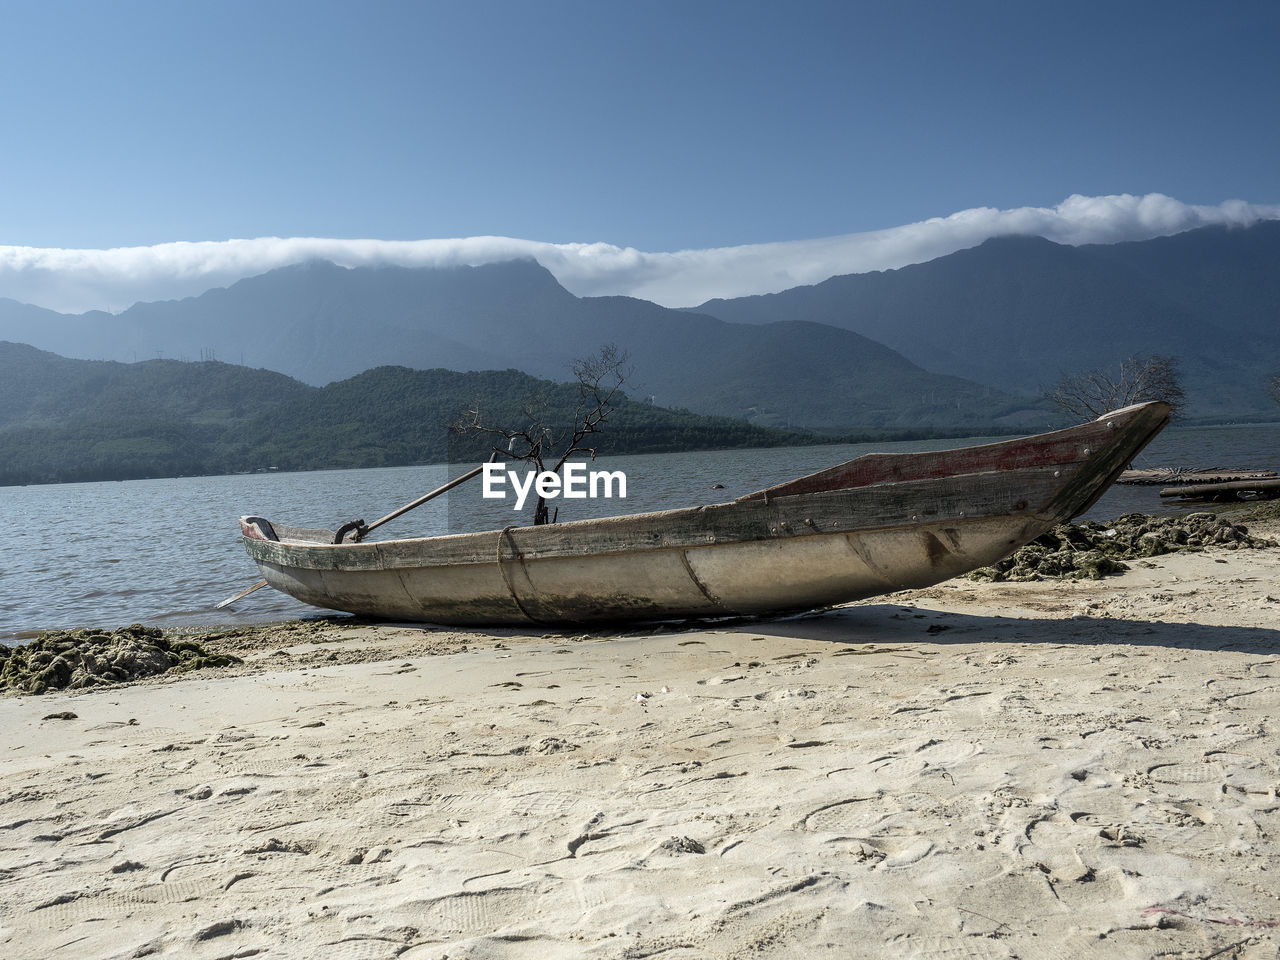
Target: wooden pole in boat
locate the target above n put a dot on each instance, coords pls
(241, 595)
(362, 529)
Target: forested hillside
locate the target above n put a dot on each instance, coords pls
(69, 420)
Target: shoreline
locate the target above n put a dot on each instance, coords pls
(198, 561)
(972, 769)
(1262, 518)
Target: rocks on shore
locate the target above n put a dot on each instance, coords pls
(1088, 550)
(76, 659)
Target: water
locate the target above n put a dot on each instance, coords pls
(165, 552)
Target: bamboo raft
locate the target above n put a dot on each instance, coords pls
(1261, 488)
(1163, 476)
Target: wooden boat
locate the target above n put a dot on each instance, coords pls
(873, 525)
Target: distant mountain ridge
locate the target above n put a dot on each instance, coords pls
(1018, 312)
(319, 322)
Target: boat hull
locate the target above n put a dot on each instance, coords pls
(915, 523)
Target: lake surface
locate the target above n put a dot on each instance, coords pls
(164, 552)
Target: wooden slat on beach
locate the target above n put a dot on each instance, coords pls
(1261, 489)
(1159, 476)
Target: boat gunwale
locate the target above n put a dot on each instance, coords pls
(936, 504)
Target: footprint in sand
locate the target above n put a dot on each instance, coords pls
(848, 816)
(1064, 848)
(482, 912)
(891, 851)
(1228, 771)
(970, 948)
(545, 805)
(415, 812)
(372, 948)
(70, 909)
(944, 753)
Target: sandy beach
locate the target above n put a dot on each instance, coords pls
(976, 770)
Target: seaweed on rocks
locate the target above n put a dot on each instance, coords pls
(1089, 550)
(78, 659)
(1266, 511)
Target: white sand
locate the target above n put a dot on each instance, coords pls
(971, 771)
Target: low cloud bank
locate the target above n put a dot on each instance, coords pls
(74, 281)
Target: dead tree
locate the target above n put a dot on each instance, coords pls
(539, 441)
(1136, 380)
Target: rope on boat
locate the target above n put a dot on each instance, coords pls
(697, 582)
(515, 549)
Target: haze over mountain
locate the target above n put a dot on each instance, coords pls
(76, 280)
(944, 344)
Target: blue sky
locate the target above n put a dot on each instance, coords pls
(662, 126)
(659, 125)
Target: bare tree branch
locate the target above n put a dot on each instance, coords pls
(599, 377)
(1138, 379)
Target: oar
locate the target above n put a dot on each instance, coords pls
(362, 529)
(241, 595)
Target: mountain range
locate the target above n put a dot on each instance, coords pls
(1019, 312)
(969, 340)
(320, 323)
